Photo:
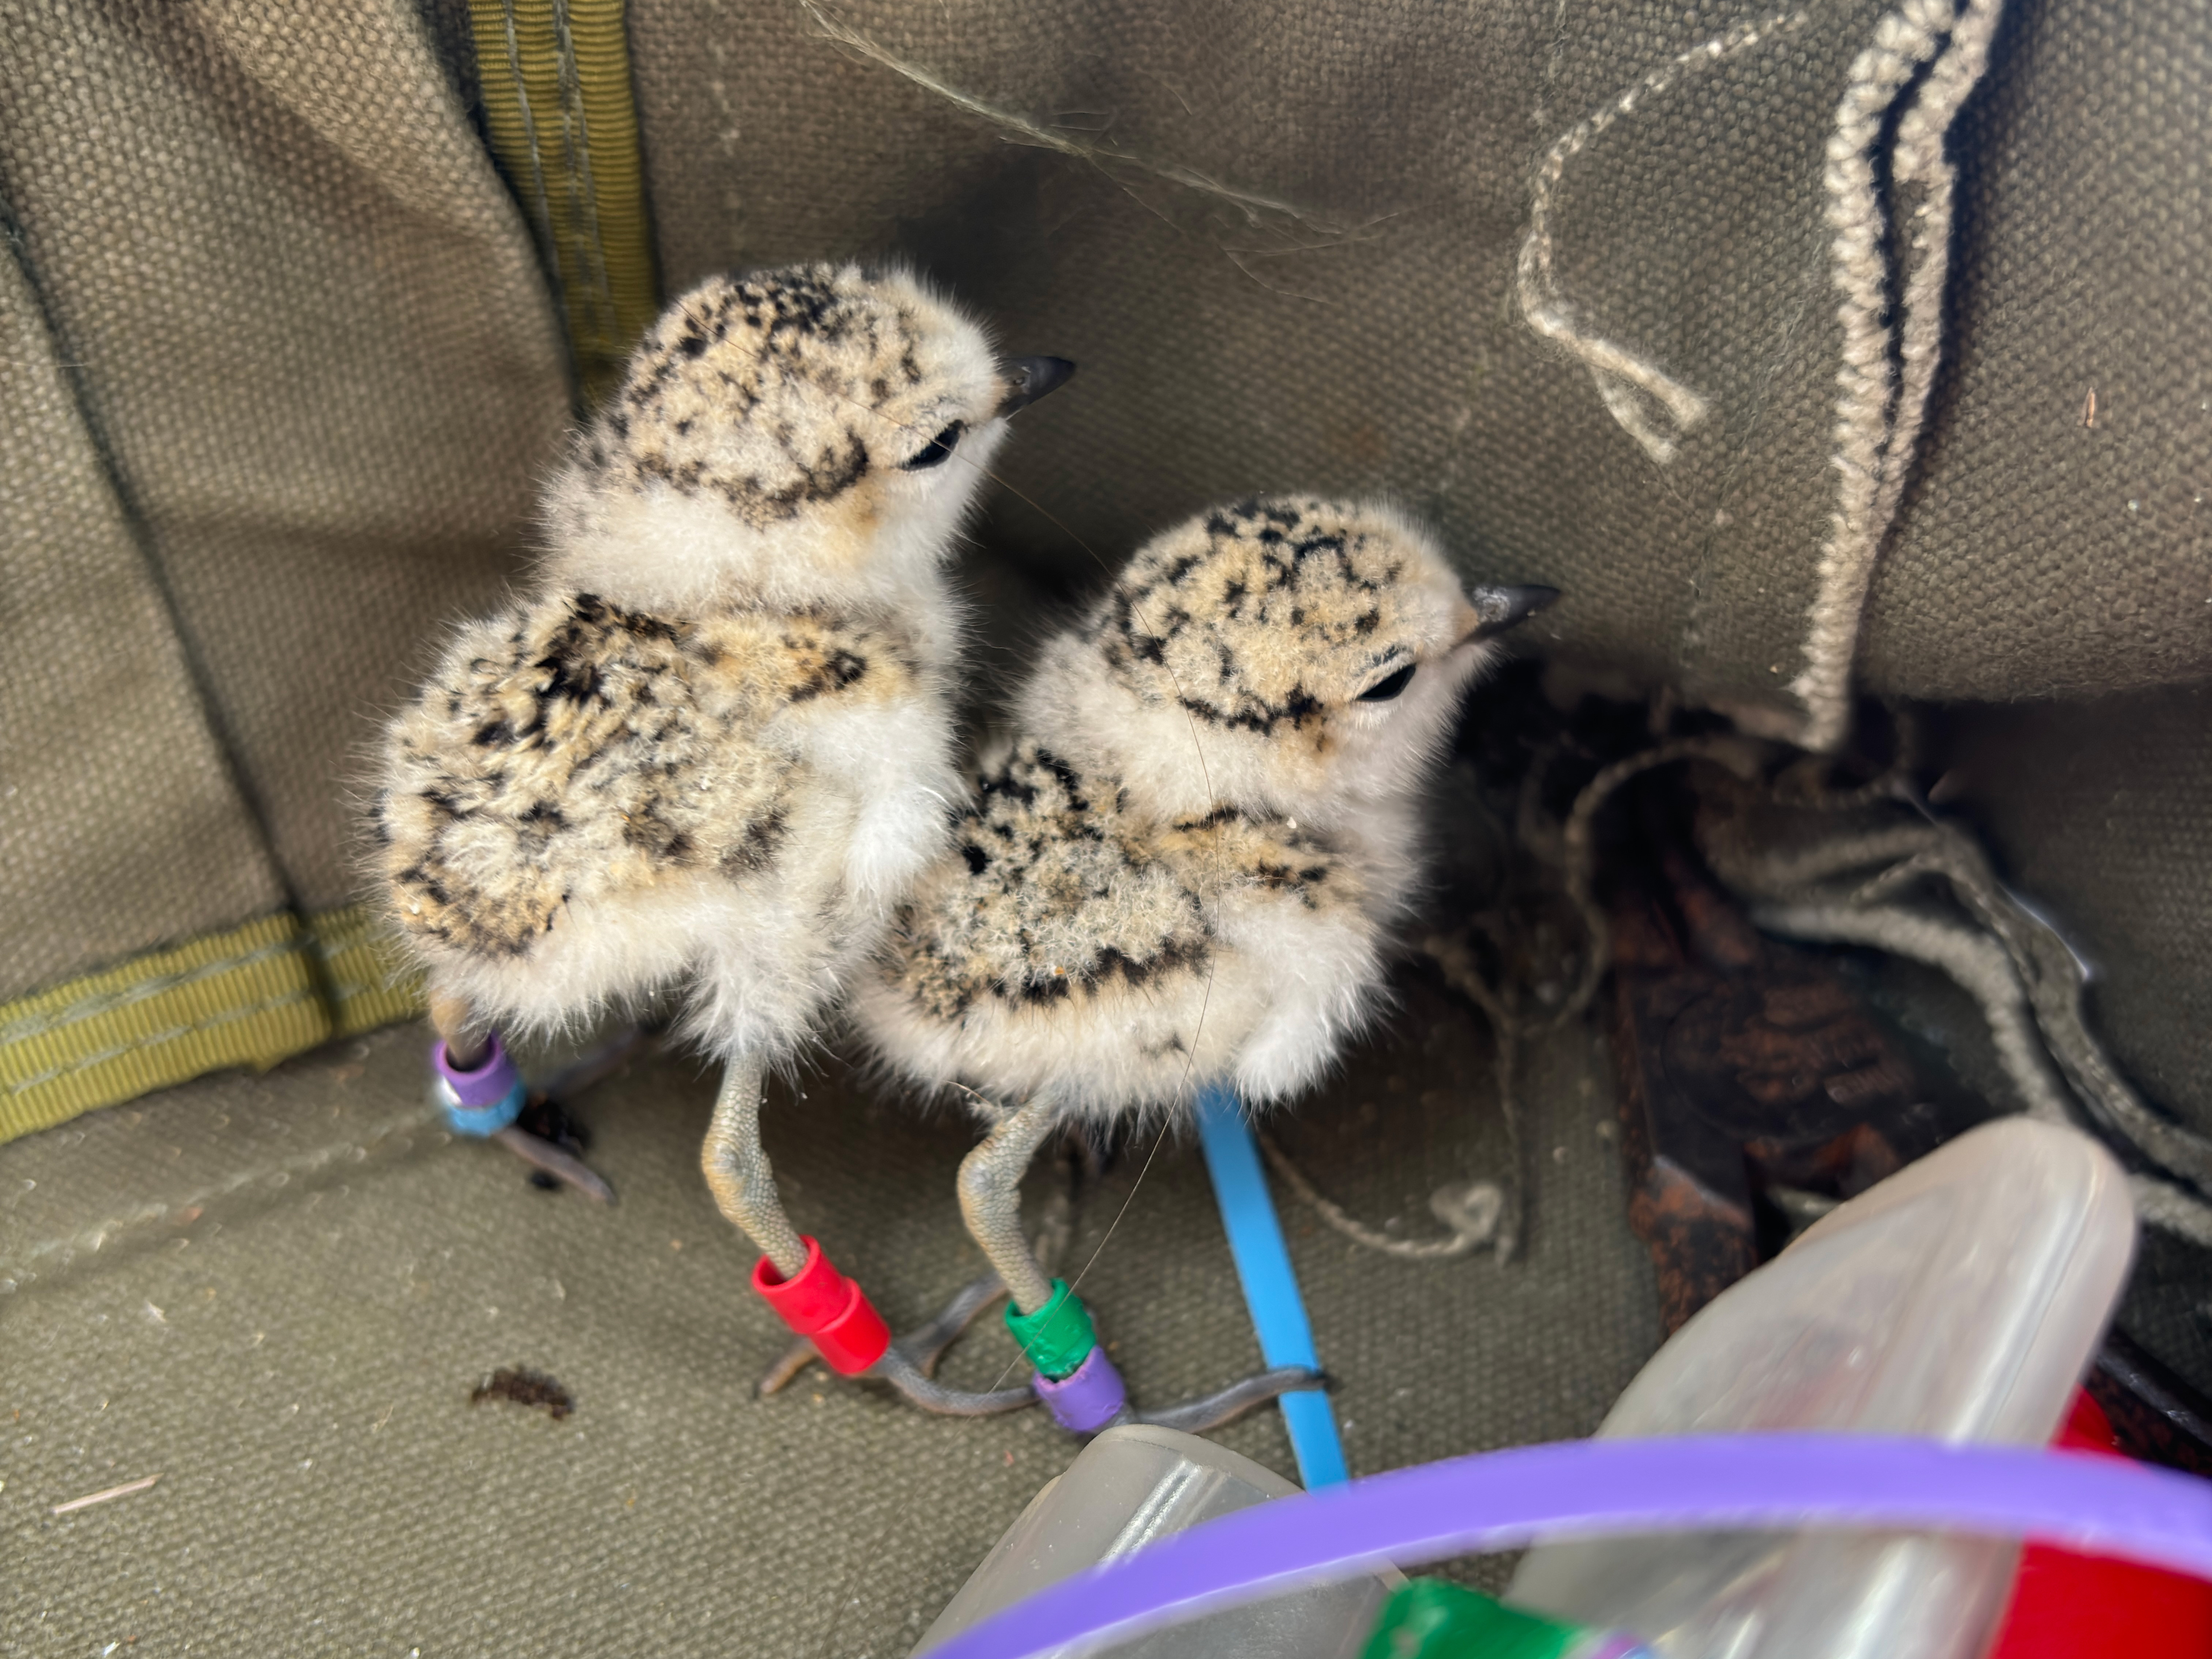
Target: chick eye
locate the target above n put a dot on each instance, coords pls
(1384, 690)
(936, 451)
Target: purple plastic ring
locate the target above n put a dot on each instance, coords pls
(483, 1100)
(1088, 1398)
(1593, 1488)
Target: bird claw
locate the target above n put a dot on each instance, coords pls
(551, 1143)
(1212, 1411)
(919, 1351)
(918, 1391)
(910, 1366)
(549, 1159)
(925, 1346)
(782, 1375)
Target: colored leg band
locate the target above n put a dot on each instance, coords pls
(829, 1310)
(1059, 1336)
(483, 1100)
(1430, 1618)
(1088, 1398)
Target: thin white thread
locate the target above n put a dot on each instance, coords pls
(1879, 413)
(1619, 373)
(1254, 206)
(1461, 1242)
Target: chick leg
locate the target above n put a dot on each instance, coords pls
(926, 1344)
(990, 1202)
(991, 1199)
(468, 1045)
(743, 1185)
(455, 1020)
(737, 1172)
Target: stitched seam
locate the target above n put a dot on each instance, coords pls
(1879, 413)
(107, 1002)
(355, 936)
(583, 189)
(1921, 159)
(346, 990)
(548, 249)
(155, 1039)
(93, 1237)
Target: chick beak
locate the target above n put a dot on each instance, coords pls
(1497, 609)
(1028, 379)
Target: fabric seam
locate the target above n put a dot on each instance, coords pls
(157, 1039)
(1879, 414)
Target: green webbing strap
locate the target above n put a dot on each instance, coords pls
(1059, 1336)
(564, 124)
(252, 996)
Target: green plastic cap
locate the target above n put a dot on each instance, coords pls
(1058, 1337)
(1430, 1618)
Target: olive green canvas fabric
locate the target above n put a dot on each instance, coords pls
(1769, 333)
(1286, 244)
(2100, 813)
(2051, 544)
(122, 821)
(306, 326)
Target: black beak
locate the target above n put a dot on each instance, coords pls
(1028, 379)
(1501, 608)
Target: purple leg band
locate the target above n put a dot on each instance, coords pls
(1088, 1398)
(483, 1100)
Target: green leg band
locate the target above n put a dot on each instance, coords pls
(1058, 1337)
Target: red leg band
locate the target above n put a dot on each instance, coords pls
(821, 1304)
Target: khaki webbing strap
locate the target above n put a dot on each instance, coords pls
(252, 996)
(564, 124)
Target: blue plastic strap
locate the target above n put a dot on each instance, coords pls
(1270, 1288)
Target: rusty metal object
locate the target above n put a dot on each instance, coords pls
(1742, 1062)
(1689, 1186)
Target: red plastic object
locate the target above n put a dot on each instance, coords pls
(829, 1310)
(2066, 1606)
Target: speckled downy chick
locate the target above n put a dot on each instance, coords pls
(1183, 867)
(710, 746)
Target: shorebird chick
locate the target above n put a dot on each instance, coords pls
(1182, 868)
(710, 747)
